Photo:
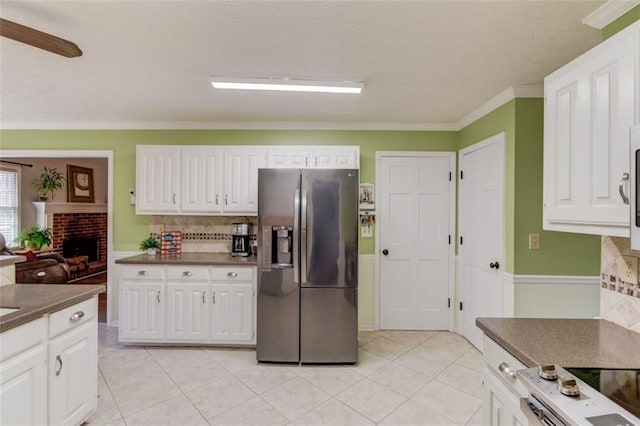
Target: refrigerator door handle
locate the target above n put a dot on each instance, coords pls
(296, 230)
(303, 240)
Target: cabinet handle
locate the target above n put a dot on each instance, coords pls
(232, 274)
(226, 200)
(625, 178)
(174, 198)
(76, 317)
(158, 296)
(143, 273)
(203, 298)
(214, 297)
(306, 161)
(216, 199)
(59, 370)
(187, 273)
(506, 370)
(316, 161)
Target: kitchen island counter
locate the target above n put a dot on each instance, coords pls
(36, 300)
(214, 259)
(577, 343)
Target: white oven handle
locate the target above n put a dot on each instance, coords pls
(537, 414)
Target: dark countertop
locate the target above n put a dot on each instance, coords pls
(578, 343)
(36, 300)
(215, 259)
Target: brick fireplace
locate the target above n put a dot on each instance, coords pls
(79, 234)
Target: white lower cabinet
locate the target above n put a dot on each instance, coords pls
(49, 368)
(204, 304)
(502, 391)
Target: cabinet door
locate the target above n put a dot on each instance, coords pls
(23, 388)
(201, 185)
(157, 177)
(589, 107)
(288, 157)
(73, 384)
(141, 310)
(241, 179)
(187, 311)
(335, 157)
(500, 406)
(232, 313)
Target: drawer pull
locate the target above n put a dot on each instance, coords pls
(506, 370)
(232, 274)
(76, 317)
(143, 273)
(59, 370)
(187, 273)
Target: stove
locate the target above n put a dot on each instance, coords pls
(597, 397)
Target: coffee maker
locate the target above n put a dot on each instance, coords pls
(241, 239)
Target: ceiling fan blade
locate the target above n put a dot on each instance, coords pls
(39, 39)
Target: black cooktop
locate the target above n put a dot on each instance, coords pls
(620, 386)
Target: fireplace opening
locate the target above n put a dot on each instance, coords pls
(81, 246)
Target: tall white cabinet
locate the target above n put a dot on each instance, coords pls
(590, 104)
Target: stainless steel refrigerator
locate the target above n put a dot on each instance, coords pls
(307, 265)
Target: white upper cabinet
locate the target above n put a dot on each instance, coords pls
(157, 179)
(241, 166)
(324, 157)
(201, 184)
(590, 104)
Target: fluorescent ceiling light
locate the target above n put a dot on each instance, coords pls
(287, 85)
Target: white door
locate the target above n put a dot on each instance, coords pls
(241, 178)
(157, 177)
(187, 311)
(481, 231)
(201, 186)
(142, 311)
(232, 313)
(416, 217)
(72, 391)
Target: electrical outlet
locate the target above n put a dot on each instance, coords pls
(534, 241)
(629, 272)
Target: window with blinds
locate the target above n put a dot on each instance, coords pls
(9, 203)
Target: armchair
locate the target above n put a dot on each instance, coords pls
(50, 268)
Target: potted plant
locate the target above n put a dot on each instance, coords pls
(150, 244)
(35, 237)
(50, 181)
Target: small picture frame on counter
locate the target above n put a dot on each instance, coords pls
(171, 243)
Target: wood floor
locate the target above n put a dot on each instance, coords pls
(102, 298)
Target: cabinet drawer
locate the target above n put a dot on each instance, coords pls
(142, 272)
(494, 355)
(22, 337)
(188, 273)
(232, 274)
(73, 316)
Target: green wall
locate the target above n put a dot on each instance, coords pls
(621, 23)
(560, 253)
(129, 229)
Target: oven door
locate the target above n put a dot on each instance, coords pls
(634, 188)
(537, 413)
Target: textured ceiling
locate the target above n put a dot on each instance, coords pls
(148, 63)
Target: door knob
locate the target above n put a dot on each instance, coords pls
(494, 265)
(385, 252)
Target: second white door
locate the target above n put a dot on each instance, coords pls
(416, 213)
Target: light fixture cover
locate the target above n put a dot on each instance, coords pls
(288, 85)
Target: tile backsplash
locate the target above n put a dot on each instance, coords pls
(620, 292)
(201, 233)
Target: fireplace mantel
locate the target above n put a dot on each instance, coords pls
(46, 210)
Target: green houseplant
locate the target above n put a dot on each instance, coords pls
(50, 181)
(35, 237)
(150, 244)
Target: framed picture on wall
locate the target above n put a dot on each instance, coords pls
(367, 201)
(80, 184)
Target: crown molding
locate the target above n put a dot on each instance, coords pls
(499, 100)
(609, 12)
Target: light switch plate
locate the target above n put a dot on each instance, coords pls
(629, 272)
(534, 241)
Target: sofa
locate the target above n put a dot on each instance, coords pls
(44, 268)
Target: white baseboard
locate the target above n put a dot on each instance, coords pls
(367, 327)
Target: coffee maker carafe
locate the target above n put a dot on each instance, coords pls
(241, 239)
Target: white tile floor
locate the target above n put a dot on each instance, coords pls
(402, 377)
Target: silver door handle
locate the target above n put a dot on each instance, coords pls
(59, 370)
(232, 274)
(303, 243)
(187, 273)
(506, 370)
(296, 231)
(76, 317)
(625, 178)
